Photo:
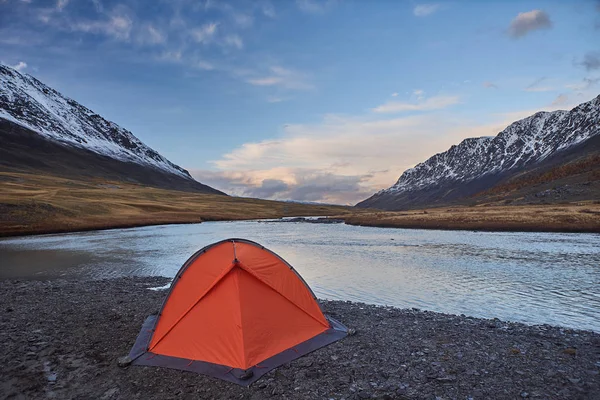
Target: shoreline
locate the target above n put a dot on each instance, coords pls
(388, 220)
(565, 218)
(63, 337)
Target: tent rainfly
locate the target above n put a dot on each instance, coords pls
(235, 311)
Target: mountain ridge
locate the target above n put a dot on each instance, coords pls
(477, 164)
(37, 108)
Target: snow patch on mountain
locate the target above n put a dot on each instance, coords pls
(26, 101)
(524, 142)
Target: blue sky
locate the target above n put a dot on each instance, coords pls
(307, 100)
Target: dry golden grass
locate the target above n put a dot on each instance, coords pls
(581, 217)
(31, 204)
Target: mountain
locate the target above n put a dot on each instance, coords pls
(536, 145)
(41, 129)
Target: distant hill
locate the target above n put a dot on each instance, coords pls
(42, 130)
(545, 158)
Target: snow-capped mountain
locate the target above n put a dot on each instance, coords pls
(26, 101)
(481, 162)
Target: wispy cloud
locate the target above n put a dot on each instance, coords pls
(527, 22)
(315, 6)
(536, 87)
(20, 66)
(151, 35)
(233, 41)
(268, 9)
(205, 65)
(243, 20)
(423, 10)
(432, 103)
(489, 85)
(276, 99)
(560, 100)
(61, 4)
(585, 84)
(116, 26)
(205, 33)
(283, 77)
(591, 61)
(174, 56)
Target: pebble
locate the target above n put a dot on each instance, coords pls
(399, 353)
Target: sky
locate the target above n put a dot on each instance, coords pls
(326, 101)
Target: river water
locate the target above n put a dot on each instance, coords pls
(535, 278)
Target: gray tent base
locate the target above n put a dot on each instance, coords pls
(141, 356)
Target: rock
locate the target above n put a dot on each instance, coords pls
(124, 361)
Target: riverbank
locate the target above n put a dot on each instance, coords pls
(62, 338)
(581, 217)
(35, 204)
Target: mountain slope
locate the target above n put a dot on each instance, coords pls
(478, 164)
(35, 118)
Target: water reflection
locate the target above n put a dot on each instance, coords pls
(528, 277)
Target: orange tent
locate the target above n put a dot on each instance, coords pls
(235, 311)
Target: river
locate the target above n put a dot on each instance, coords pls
(535, 278)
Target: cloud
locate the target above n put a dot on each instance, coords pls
(315, 6)
(342, 159)
(243, 20)
(299, 184)
(527, 22)
(268, 10)
(535, 86)
(61, 4)
(151, 35)
(205, 33)
(117, 24)
(275, 99)
(489, 85)
(98, 5)
(233, 41)
(20, 66)
(587, 83)
(282, 77)
(432, 103)
(591, 61)
(395, 94)
(560, 100)
(171, 56)
(205, 65)
(423, 10)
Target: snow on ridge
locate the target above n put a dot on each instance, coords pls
(526, 141)
(26, 101)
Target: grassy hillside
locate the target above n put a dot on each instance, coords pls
(34, 203)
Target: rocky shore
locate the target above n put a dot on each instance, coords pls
(61, 339)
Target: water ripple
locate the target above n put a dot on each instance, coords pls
(534, 278)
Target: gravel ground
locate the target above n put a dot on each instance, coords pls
(61, 339)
